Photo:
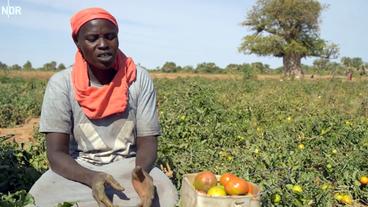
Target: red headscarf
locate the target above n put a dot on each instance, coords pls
(86, 15)
(100, 102)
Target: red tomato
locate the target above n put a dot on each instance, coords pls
(225, 178)
(237, 186)
(252, 189)
(204, 181)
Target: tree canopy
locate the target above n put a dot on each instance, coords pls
(287, 29)
(27, 65)
(50, 66)
(61, 66)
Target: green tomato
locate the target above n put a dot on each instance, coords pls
(325, 186)
(182, 118)
(297, 189)
(276, 198)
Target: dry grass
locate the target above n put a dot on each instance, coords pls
(202, 75)
(44, 75)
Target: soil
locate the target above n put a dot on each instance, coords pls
(21, 134)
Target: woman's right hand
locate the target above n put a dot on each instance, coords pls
(98, 182)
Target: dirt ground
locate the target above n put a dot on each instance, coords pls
(21, 134)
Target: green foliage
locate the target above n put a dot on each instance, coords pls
(324, 66)
(254, 129)
(187, 68)
(233, 67)
(17, 199)
(284, 27)
(3, 66)
(263, 45)
(251, 128)
(19, 100)
(49, 66)
(15, 67)
(21, 165)
(27, 65)
(207, 68)
(354, 64)
(66, 204)
(330, 51)
(170, 67)
(249, 73)
(288, 29)
(321, 64)
(61, 66)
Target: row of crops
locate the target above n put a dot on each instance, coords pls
(278, 134)
(20, 165)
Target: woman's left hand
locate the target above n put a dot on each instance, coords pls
(143, 185)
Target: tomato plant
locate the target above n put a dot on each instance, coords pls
(276, 134)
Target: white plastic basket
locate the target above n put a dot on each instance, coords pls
(189, 197)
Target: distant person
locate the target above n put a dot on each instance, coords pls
(349, 75)
(101, 125)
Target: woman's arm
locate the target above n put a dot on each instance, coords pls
(144, 161)
(62, 163)
(146, 152)
(146, 124)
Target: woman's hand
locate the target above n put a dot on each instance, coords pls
(98, 182)
(143, 185)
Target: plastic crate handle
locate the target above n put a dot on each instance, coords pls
(241, 203)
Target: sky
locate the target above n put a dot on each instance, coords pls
(187, 32)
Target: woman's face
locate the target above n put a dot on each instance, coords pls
(98, 41)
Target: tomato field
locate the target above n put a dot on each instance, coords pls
(304, 142)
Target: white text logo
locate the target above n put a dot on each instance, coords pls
(10, 10)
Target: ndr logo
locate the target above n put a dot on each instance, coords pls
(9, 10)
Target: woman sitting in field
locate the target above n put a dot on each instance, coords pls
(101, 126)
